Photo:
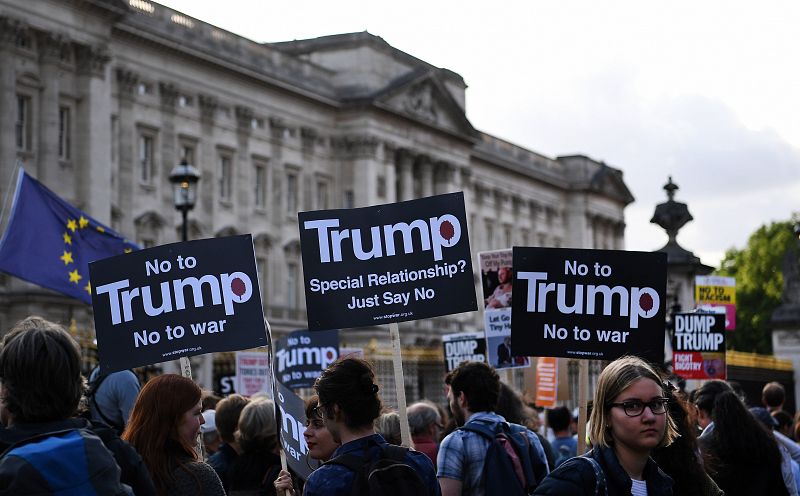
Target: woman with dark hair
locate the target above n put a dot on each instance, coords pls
(164, 425)
(629, 420)
(511, 407)
(679, 460)
(738, 452)
(320, 446)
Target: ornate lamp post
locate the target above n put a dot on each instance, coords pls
(184, 178)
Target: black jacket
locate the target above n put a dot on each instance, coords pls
(134, 472)
(576, 477)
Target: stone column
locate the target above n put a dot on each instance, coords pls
(93, 133)
(50, 46)
(8, 102)
(127, 180)
(242, 171)
(168, 94)
(390, 177)
(206, 161)
(444, 176)
(425, 166)
(405, 161)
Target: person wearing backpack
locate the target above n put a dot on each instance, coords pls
(486, 455)
(629, 420)
(111, 397)
(564, 445)
(365, 463)
(45, 449)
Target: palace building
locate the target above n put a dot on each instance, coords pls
(102, 98)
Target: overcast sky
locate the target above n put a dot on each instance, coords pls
(707, 92)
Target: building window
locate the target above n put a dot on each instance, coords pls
(381, 187)
(260, 179)
(225, 177)
(291, 193)
(147, 243)
(261, 267)
(64, 133)
(322, 195)
(349, 199)
(146, 158)
(292, 280)
(24, 126)
(187, 153)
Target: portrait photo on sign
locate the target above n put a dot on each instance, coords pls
(496, 278)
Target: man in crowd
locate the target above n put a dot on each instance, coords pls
(349, 404)
(226, 419)
(426, 425)
(564, 445)
(41, 386)
(473, 392)
(211, 439)
(773, 395)
(111, 397)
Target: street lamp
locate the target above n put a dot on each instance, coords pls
(184, 179)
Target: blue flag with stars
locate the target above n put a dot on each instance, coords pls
(50, 243)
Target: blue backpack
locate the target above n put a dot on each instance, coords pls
(71, 462)
(512, 465)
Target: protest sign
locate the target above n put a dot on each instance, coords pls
(224, 384)
(387, 263)
(593, 304)
(302, 356)
(462, 347)
(253, 373)
(546, 382)
(496, 279)
(292, 426)
(717, 295)
(176, 300)
(698, 346)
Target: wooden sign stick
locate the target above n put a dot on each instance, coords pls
(397, 360)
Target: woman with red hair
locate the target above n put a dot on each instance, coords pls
(163, 427)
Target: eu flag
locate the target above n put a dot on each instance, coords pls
(50, 243)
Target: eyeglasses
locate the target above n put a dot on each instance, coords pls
(634, 408)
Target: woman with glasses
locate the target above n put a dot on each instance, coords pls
(738, 452)
(629, 420)
(320, 445)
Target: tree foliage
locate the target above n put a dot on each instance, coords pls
(759, 284)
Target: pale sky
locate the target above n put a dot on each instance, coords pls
(707, 92)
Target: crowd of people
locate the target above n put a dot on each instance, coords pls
(63, 435)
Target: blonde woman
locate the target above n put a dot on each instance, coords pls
(629, 420)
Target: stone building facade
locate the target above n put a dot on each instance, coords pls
(102, 98)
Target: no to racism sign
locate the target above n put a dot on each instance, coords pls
(302, 356)
(593, 304)
(717, 295)
(462, 347)
(698, 346)
(388, 263)
(176, 300)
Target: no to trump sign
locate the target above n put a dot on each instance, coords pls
(598, 304)
(176, 300)
(388, 263)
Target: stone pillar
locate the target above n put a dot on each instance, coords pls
(405, 161)
(206, 161)
(425, 167)
(168, 95)
(390, 177)
(242, 169)
(577, 231)
(50, 46)
(93, 133)
(8, 103)
(127, 180)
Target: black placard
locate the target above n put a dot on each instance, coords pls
(591, 304)
(462, 347)
(293, 425)
(176, 300)
(388, 263)
(301, 356)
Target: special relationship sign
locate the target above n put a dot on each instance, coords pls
(176, 300)
(598, 304)
(388, 263)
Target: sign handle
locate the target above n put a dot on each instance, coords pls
(186, 367)
(583, 389)
(186, 371)
(405, 432)
(284, 467)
